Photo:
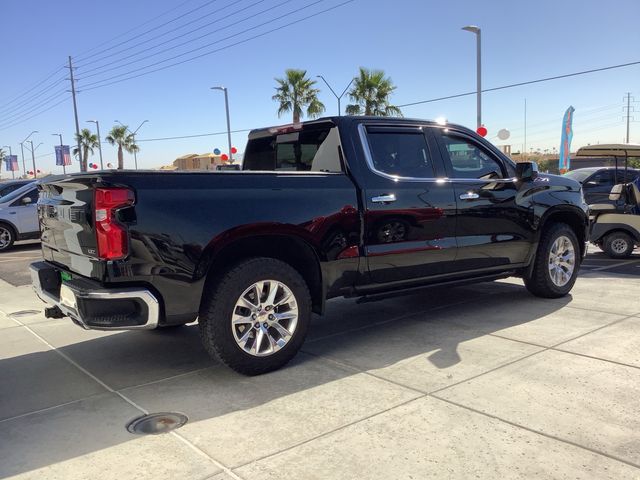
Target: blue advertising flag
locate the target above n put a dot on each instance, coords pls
(564, 162)
(63, 157)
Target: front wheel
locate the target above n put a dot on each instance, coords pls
(255, 318)
(556, 264)
(618, 245)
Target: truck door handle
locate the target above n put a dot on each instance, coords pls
(469, 196)
(386, 198)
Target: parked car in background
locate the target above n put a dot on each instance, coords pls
(19, 215)
(9, 186)
(597, 182)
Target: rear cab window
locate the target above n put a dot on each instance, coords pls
(309, 148)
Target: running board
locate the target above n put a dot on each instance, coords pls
(374, 297)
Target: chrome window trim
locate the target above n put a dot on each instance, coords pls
(362, 131)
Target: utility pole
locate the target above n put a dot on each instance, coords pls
(33, 159)
(83, 167)
(628, 116)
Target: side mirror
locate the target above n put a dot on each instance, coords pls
(526, 171)
(616, 192)
(27, 200)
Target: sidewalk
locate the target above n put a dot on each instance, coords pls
(483, 381)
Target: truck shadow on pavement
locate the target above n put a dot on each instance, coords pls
(426, 341)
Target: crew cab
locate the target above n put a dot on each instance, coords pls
(342, 206)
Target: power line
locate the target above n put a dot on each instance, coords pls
(35, 115)
(199, 48)
(99, 84)
(17, 107)
(187, 42)
(12, 118)
(151, 29)
(584, 72)
(163, 35)
(193, 136)
(31, 89)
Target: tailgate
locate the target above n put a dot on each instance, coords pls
(65, 211)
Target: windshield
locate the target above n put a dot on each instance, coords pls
(17, 193)
(579, 175)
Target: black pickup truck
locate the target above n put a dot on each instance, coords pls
(342, 206)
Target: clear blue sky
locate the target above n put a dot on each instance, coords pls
(417, 42)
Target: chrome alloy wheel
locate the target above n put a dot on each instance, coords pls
(264, 318)
(5, 237)
(562, 261)
(619, 246)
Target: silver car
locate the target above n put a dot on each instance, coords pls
(19, 216)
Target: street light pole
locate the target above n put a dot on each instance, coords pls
(99, 141)
(64, 168)
(338, 97)
(478, 33)
(226, 104)
(24, 168)
(13, 174)
(133, 135)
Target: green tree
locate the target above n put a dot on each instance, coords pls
(120, 136)
(87, 141)
(370, 94)
(295, 93)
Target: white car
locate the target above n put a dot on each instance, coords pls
(19, 216)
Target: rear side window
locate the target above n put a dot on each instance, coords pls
(400, 153)
(470, 160)
(313, 149)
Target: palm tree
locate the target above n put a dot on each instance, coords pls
(296, 92)
(87, 141)
(370, 94)
(120, 136)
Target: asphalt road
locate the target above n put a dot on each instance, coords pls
(14, 263)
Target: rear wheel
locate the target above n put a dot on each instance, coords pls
(255, 318)
(7, 237)
(618, 245)
(556, 264)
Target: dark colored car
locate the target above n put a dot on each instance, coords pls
(347, 206)
(597, 182)
(10, 185)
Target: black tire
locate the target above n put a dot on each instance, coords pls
(539, 281)
(219, 304)
(7, 237)
(618, 245)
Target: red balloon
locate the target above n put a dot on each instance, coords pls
(95, 166)
(30, 172)
(482, 131)
(234, 150)
(224, 157)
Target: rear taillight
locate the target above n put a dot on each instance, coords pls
(111, 236)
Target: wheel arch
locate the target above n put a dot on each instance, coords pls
(291, 249)
(572, 216)
(13, 228)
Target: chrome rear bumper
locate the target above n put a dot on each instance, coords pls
(92, 306)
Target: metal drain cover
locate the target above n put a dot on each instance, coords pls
(24, 313)
(156, 423)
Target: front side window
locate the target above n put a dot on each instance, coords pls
(401, 153)
(470, 160)
(33, 195)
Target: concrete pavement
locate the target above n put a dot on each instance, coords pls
(483, 381)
